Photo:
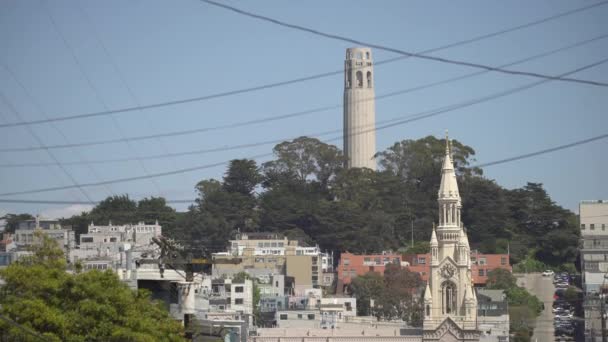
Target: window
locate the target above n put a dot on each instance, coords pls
(346, 262)
(86, 239)
(273, 244)
(396, 260)
(482, 261)
(238, 289)
(422, 260)
(283, 317)
(113, 239)
(281, 244)
(592, 226)
(582, 226)
(603, 226)
(428, 310)
(369, 79)
(276, 283)
(311, 316)
(377, 260)
(367, 55)
(503, 261)
(359, 79)
(367, 259)
(482, 272)
(348, 306)
(299, 316)
(238, 301)
(448, 297)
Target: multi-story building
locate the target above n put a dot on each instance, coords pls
(25, 234)
(492, 315)
(481, 265)
(594, 263)
(263, 255)
(112, 246)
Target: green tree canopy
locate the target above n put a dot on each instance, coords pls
(40, 295)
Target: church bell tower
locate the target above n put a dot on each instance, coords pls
(450, 303)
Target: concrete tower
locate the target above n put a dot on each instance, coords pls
(359, 109)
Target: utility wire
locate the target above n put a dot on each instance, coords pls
(403, 52)
(94, 89)
(548, 150)
(38, 106)
(195, 168)
(118, 71)
(400, 120)
(39, 141)
(289, 115)
(303, 79)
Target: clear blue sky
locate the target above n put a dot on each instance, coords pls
(169, 50)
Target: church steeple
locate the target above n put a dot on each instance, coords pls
(449, 292)
(448, 196)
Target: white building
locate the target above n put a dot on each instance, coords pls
(25, 234)
(112, 246)
(594, 262)
(359, 109)
(450, 303)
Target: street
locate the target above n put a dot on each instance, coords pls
(543, 288)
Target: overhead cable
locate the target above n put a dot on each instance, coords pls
(400, 122)
(301, 79)
(403, 52)
(293, 114)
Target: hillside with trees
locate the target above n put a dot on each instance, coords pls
(305, 193)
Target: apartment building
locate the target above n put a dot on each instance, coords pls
(593, 217)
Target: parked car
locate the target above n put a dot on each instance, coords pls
(548, 273)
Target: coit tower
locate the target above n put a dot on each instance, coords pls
(359, 109)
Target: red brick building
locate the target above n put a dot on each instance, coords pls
(481, 264)
(352, 265)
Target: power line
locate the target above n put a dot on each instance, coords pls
(94, 88)
(397, 123)
(293, 114)
(403, 52)
(39, 141)
(37, 104)
(548, 150)
(301, 79)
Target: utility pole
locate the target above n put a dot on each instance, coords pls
(412, 221)
(603, 313)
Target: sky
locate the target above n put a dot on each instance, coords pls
(68, 57)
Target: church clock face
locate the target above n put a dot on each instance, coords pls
(447, 271)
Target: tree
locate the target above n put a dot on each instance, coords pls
(242, 177)
(366, 288)
(501, 279)
(77, 307)
(305, 158)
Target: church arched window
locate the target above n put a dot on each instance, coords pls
(448, 298)
(369, 79)
(359, 79)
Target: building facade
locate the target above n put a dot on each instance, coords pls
(481, 265)
(450, 302)
(359, 109)
(594, 263)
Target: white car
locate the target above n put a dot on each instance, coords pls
(548, 273)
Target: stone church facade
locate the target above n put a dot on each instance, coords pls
(450, 303)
